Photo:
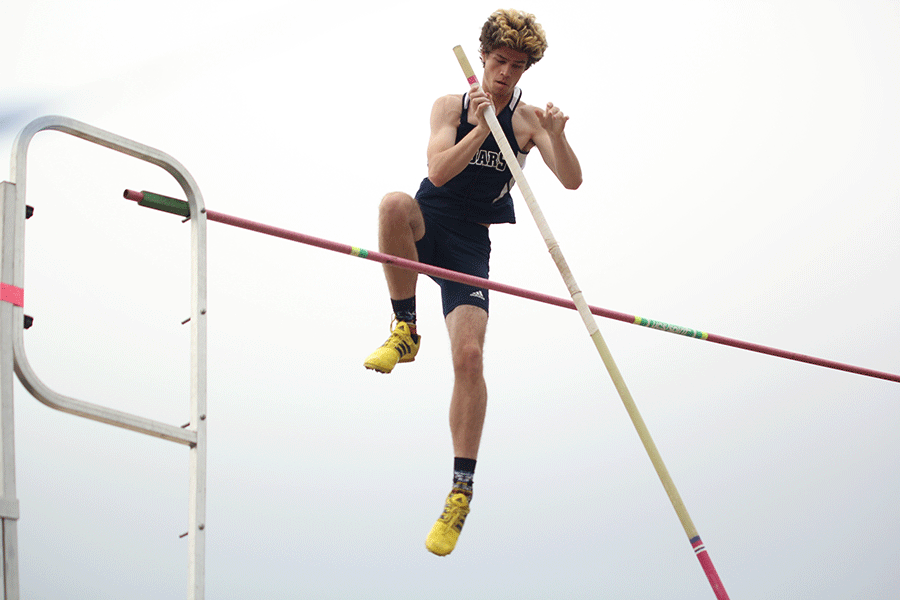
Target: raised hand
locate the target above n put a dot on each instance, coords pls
(552, 119)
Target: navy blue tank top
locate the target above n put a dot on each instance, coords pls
(480, 193)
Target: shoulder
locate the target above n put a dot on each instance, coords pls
(526, 113)
(446, 109)
(526, 125)
(450, 102)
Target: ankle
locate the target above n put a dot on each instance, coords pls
(463, 475)
(405, 309)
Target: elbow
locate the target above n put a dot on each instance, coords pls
(438, 182)
(570, 178)
(573, 184)
(437, 178)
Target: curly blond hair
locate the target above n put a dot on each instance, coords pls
(516, 30)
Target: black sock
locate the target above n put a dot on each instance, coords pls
(405, 310)
(463, 474)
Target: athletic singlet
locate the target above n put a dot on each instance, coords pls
(480, 193)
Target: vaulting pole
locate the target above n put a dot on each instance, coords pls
(588, 318)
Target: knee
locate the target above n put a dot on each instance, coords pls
(396, 206)
(468, 360)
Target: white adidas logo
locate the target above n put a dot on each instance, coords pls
(477, 294)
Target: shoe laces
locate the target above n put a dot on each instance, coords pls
(455, 510)
(396, 337)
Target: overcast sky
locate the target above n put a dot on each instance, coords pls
(740, 177)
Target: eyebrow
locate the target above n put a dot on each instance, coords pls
(515, 62)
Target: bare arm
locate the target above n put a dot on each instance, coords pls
(446, 158)
(550, 139)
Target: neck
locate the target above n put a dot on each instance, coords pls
(500, 102)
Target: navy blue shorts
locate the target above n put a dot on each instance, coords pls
(459, 246)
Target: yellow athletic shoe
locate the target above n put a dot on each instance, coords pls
(402, 346)
(443, 536)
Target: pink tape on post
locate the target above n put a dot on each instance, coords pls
(12, 294)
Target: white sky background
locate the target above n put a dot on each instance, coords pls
(741, 177)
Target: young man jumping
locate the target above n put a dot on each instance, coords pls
(446, 225)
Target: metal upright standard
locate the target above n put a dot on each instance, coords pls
(13, 358)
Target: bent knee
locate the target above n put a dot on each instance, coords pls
(399, 208)
(397, 203)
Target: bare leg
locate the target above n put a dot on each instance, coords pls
(400, 225)
(467, 326)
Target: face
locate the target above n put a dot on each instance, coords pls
(502, 70)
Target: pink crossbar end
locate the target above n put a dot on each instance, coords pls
(12, 294)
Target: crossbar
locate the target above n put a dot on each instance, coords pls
(503, 288)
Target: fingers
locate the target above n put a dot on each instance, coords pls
(553, 112)
(479, 100)
(552, 118)
(478, 97)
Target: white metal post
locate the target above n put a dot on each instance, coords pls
(9, 504)
(13, 357)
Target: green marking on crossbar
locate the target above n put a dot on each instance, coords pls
(694, 333)
(360, 252)
(165, 204)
